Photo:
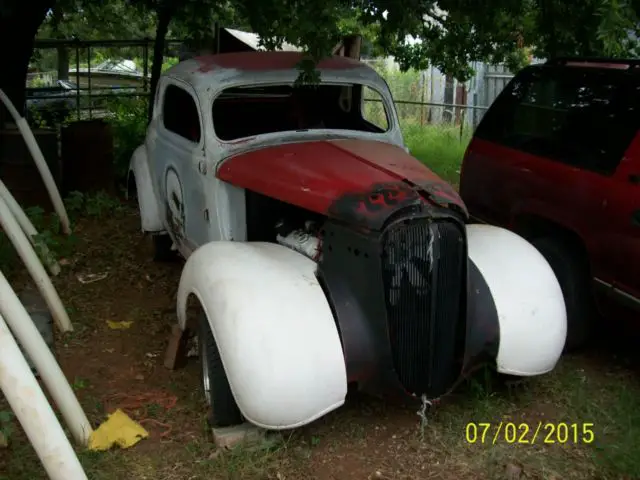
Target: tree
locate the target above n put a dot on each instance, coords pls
(19, 23)
(91, 20)
(451, 33)
(192, 20)
(21, 20)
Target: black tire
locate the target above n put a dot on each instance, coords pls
(224, 411)
(162, 251)
(571, 269)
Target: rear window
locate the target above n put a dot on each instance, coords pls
(242, 112)
(584, 117)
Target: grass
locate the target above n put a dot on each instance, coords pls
(364, 439)
(441, 148)
(609, 398)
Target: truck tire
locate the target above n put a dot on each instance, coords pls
(572, 272)
(162, 251)
(224, 411)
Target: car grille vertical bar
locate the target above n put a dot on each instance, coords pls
(423, 274)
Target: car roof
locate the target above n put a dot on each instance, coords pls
(268, 61)
(226, 66)
(593, 62)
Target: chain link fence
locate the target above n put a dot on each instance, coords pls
(88, 93)
(413, 115)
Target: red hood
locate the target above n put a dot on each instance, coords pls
(333, 175)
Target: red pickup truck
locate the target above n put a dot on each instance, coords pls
(556, 158)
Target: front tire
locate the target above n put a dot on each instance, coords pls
(572, 273)
(224, 411)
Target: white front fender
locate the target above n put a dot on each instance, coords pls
(150, 217)
(528, 300)
(275, 331)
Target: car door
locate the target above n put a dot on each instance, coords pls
(179, 155)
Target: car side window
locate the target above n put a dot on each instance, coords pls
(579, 116)
(180, 113)
(373, 110)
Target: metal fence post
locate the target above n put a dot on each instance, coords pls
(89, 78)
(145, 65)
(77, 47)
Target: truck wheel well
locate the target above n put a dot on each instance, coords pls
(533, 226)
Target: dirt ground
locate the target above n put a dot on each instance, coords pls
(365, 439)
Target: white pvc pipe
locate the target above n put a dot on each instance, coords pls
(28, 228)
(41, 163)
(45, 363)
(22, 391)
(32, 262)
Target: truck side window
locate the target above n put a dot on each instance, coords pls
(180, 113)
(583, 117)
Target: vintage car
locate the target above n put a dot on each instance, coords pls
(322, 254)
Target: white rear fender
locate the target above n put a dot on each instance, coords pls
(275, 331)
(147, 202)
(528, 300)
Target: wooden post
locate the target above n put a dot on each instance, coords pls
(351, 46)
(216, 31)
(176, 353)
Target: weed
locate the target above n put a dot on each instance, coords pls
(74, 203)
(102, 204)
(438, 147)
(50, 236)
(6, 425)
(79, 383)
(97, 205)
(128, 122)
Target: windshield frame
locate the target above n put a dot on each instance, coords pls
(385, 95)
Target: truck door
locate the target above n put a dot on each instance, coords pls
(624, 214)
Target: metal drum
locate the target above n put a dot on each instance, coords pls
(18, 170)
(87, 157)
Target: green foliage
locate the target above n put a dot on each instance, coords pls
(440, 148)
(6, 424)
(307, 23)
(50, 235)
(450, 34)
(497, 32)
(128, 120)
(37, 82)
(97, 19)
(95, 205)
(102, 204)
(91, 20)
(585, 27)
(453, 33)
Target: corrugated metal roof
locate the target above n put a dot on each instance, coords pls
(252, 40)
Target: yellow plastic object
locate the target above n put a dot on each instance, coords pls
(119, 325)
(118, 430)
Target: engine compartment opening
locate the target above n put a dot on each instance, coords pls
(275, 221)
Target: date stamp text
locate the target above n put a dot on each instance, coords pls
(522, 433)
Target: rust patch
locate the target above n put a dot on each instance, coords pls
(206, 63)
(372, 208)
(443, 194)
